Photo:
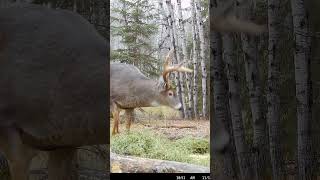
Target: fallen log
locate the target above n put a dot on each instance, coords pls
(130, 164)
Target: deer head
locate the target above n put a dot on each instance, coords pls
(168, 95)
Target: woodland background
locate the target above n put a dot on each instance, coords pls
(143, 32)
(264, 89)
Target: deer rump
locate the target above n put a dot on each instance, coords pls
(53, 77)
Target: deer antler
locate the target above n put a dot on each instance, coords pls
(167, 69)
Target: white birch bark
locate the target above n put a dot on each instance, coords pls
(202, 58)
(195, 51)
(184, 58)
(250, 55)
(243, 154)
(223, 165)
(174, 41)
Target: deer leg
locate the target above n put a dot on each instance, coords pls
(62, 164)
(17, 153)
(130, 115)
(115, 113)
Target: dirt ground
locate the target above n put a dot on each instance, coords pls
(172, 129)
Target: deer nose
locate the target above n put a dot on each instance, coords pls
(178, 107)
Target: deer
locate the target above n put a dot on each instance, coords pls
(131, 89)
(53, 88)
(54, 91)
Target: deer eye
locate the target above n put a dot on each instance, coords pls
(170, 94)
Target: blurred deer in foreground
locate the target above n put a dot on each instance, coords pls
(131, 89)
(53, 90)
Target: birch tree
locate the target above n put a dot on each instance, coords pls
(302, 53)
(163, 21)
(195, 58)
(235, 108)
(200, 26)
(184, 58)
(250, 55)
(273, 100)
(223, 166)
(174, 41)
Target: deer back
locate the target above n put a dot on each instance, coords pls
(129, 86)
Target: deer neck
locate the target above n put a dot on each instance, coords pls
(152, 93)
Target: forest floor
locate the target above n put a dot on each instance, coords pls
(173, 129)
(160, 133)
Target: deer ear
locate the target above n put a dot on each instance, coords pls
(162, 85)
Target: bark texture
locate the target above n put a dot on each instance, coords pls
(243, 154)
(195, 58)
(222, 161)
(173, 35)
(302, 54)
(273, 99)
(202, 57)
(251, 58)
(184, 58)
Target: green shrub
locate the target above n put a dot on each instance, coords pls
(149, 145)
(194, 145)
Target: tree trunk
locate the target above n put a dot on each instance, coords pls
(222, 164)
(195, 58)
(250, 53)
(184, 58)
(303, 87)
(174, 41)
(164, 24)
(190, 89)
(235, 108)
(202, 58)
(273, 100)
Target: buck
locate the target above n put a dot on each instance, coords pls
(131, 89)
(53, 88)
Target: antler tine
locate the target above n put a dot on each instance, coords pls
(167, 69)
(169, 57)
(181, 68)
